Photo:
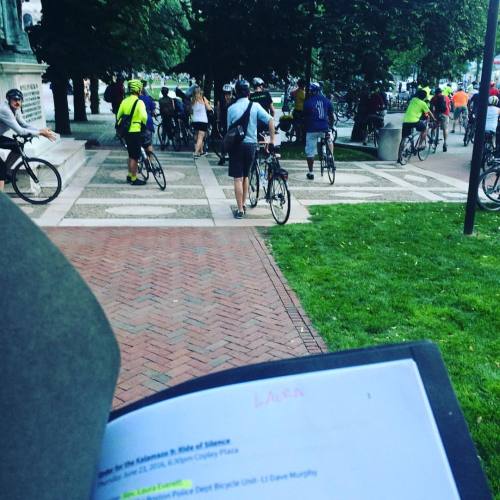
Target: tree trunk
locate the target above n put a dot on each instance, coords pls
(80, 114)
(61, 110)
(94, 95)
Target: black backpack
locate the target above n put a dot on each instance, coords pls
(123, 126)
(108, 94)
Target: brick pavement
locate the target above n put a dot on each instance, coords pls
(184, 302)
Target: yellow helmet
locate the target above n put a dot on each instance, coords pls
(134, 86)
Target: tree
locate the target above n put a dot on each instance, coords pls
(98, 37)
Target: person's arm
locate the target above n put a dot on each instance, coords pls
(272, 131)
(141, 113)
(208, 106)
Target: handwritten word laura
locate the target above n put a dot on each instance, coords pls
(272, 397)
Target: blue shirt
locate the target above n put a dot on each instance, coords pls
(317, 108)
(257, 113)
(150, 108)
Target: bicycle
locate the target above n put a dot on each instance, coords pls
(34, 180)
(434, 140)
(374, 124)
(412, 145)
(169, 131)
(488, 151)
(150, 163)
(470, 131)
(266, 173)
(488, 196)
(326, 157)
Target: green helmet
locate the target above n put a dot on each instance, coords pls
(134, 86)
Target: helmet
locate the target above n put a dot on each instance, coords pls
(14, 94)
(134, 86)
(257, 82)
(438, 90)
(421, 94)
(227, 87)
(164, 91)
(493, 100)
(314, 87)
(242, 88)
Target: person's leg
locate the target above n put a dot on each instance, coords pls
(199, 142)
(444, 128)
(310, 151)
(238, 192)
(3, 173)
(249, 159)
(132, 167)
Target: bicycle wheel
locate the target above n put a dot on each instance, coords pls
(159, 134)
(330, 166)
(467, 135)
(253, 186)
(423, 149)
(405, 150)
(177, 140)
(334, 135)
(36, 181)
(488, 196)
(433, 140)
(157, 171)
(142, 169)
(279, 200)
(216, 144)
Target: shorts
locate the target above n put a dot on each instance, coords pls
(134, 143)
(241, 158)
(147, 138)
(408, 127)
(311, 143)
(443, 121)
(6, 143)
(458, 111)
(201, 126)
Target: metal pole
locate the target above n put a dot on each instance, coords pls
(477, 152)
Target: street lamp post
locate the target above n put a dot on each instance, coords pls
(477, 152)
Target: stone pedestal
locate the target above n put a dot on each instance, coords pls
(24, 73)
(27, 77)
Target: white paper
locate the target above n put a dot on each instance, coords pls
(354, 433)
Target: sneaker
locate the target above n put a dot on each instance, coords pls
(204, 153)
(445, 148)
(221, 162)
(452, 131)
(196, 155)
(237, 214)
(137, 182)
(310, 176)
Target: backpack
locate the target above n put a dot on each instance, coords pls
(167, 106)
(237, 131)
(440, 105)
(123, 126)
(108, 94)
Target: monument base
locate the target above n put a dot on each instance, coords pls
(21, 71)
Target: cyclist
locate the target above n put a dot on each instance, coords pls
(318, 118)
(493, 90)
(11, 119)
(492, 118)
(147, 134)
(222, 107)
(448, 90)
(299, 97)
(263, 97)
(133, 137)
(168, 112)
(242, 156)
(460, 100)
(440, 107)
(413, 116)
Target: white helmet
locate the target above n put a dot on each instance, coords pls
(493, 100)
(227, 87)
(257, 82)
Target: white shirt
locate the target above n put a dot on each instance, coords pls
(199, 112)
(492, 119)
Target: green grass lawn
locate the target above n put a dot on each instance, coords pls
(294, 151)
(386, 273)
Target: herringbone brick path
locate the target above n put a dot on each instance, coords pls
(186, 302)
